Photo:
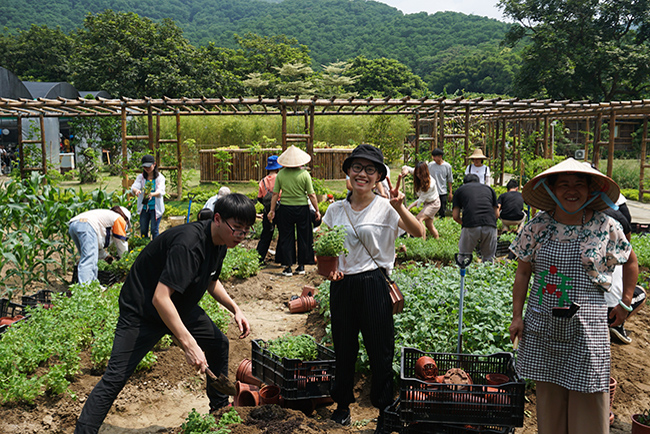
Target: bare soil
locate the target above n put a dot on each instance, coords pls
(158, 401)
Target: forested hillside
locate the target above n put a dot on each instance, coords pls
(432, 46)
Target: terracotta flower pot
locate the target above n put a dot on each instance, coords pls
(496, 379)
(458, 378)
(248, 398)
(247, 395)
(245, 373)
(638, 427)
(269, 395)
(302, 304)
(612, 391)
(327, 264)
(426, 369)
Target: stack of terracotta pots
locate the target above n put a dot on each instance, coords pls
(252, 392)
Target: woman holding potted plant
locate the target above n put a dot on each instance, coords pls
(572, 247)
(359, 293)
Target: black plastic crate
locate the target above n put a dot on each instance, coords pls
(44, 297)
(476, 404)
(106, 278)
(640, 228)
(10, 309)
(297, 379)
(502, 248)
(392, 421)
(393, 424)
(434, 428)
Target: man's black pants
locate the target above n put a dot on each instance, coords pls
(133, 340)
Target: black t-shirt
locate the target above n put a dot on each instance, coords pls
(512, 204)
(477, 202)
(183, 258)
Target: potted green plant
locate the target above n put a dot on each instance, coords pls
(641, 422)
(327, 247)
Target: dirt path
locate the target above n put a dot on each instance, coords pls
(160, 400)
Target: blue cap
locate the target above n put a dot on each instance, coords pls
(272, 163)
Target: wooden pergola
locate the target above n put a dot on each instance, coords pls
(494, 116)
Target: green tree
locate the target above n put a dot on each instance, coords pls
(264, 54)
(332, 81)
(384, 77)
(37, 54)
(131, 56)
(582, 49)
(294, 79)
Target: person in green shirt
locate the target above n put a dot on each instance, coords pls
(293, 216)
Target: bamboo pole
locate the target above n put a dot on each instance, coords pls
(417, 135)
(503, 151)
(21, 150)
(310, 143)
(179, 154)
(467, 112)
(284, 127)
(41, 120)
(597, 132)
(610, 148)
(644, 164)
(125, 174)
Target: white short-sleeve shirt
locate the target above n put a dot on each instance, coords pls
(377, 226)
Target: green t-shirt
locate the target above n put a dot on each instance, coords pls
(295, 185)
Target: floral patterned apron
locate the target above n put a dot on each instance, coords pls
(570, 352)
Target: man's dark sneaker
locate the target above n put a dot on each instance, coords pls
(287, 272)
(621, 334)
(300, 269)
(341, 417)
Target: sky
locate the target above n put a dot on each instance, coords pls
(484, 8)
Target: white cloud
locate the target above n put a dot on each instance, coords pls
(475, 7)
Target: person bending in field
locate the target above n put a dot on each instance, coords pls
(160, 296)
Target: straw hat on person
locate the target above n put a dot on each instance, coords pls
(603, 188)
(477, 155)
(294, 157)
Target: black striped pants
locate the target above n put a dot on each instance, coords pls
(360, 302)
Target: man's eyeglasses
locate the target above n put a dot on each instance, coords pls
(370, 169)
(240, 232)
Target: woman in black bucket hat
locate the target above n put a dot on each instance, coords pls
(359, 293)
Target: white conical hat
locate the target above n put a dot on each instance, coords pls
(536, 195)
(294, 157)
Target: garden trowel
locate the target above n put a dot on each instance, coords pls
(221, 383)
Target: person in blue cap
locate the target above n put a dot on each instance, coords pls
(264, 197)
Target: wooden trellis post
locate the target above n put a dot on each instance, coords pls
(644, 163)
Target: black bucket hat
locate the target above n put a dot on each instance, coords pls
(370, 153)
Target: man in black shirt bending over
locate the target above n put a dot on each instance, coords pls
(511, 205)
(160, 296)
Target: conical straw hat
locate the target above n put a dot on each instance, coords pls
(294, 157)
(477, 155)
(536, 195)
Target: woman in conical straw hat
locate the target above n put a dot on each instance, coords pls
(478, 168)
(572, 248)
(293, 217)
